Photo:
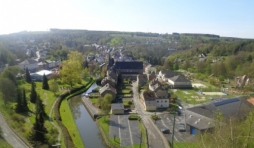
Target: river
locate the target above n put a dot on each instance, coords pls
(87, 127)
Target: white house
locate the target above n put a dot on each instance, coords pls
(166, 74)
(179, 81)
(148, 101)
(162, 99)
(153, 100)
(30, 64)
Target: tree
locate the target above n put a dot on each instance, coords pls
(235, 132)
(33, 94)
(7, 90)
(105, 103)
(72, 68)
(28, 77)
(11, 73)
(54, 87)
(39, 106)
(38, 132)
(45, 84)
(24, 105)
(19, 107)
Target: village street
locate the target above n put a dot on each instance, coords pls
(155, 137)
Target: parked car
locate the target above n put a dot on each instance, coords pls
(181, 127)
(127, 110)
(165, 131)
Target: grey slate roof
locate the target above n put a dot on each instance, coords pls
(128, 65)
(198, 117)
(179, 78)
(28, 61)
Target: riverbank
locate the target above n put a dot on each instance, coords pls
(70, 140)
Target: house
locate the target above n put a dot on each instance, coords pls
(179, 81)
(128, 69)
(51, 64)
(30, 64)
(117, 108)
(38, 76)
(202, 118)
(155, 85)
(148, 101)
(151, 76)
(153, 100)
(42, 65)
(108, 89)
(108, 80)
(142, 79)
(162, 99)
(166, 74)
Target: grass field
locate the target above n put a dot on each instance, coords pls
(185, 145)
(4, 144)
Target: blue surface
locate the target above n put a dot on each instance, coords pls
(225, 102)
(192, 130)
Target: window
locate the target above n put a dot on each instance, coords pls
(158, 101)
(165, 101)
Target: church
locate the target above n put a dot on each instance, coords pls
(128, 69)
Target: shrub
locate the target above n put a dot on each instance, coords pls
(134, 117)
(155, 117)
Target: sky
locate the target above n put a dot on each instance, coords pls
(231, 18)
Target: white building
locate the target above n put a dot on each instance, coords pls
(30, 64)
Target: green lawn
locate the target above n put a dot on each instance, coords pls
(4, 144)
(124, 91)
(69, 122)
(185, 145)
(191, 96)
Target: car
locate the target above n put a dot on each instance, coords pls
(165, 131)
(127, 110)
(180, 107)
(181, 127)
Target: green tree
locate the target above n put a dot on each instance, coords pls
(7, 90)
(72, 68)
(19, 107)
(45, 84)
(105, 103)
(37, 135)
(54, 87)
(28, 77)
(39, 106)
(33, 94)
(25, 107)
(11, 73)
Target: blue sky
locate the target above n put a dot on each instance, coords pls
(232, 18)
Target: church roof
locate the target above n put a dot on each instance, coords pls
(128, 65)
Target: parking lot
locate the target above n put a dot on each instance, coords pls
(127, 130)
(167, 121)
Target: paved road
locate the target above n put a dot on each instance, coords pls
(10, 136)
(155, 137)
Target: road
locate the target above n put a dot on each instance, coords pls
(10, 136)
(155, 137)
